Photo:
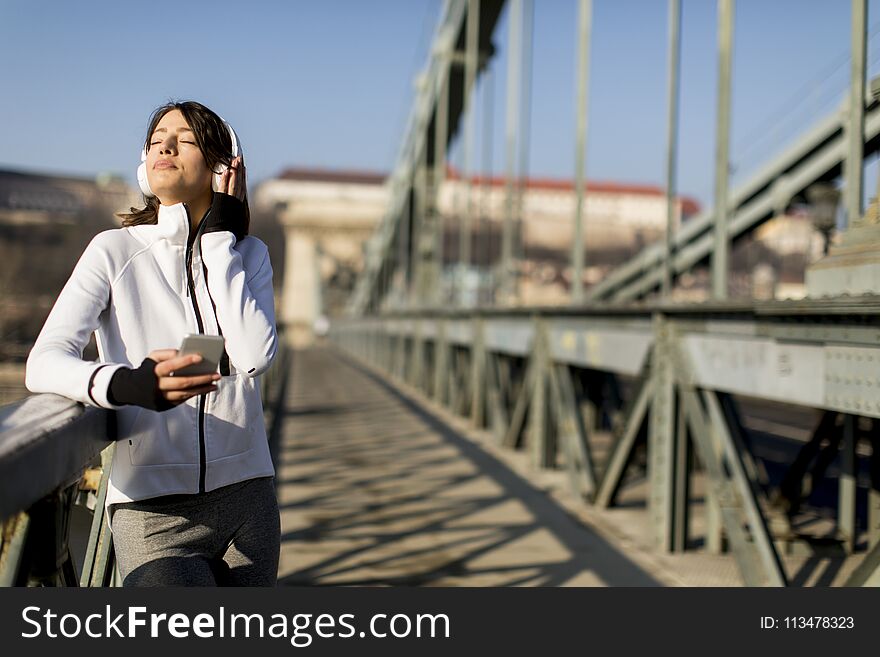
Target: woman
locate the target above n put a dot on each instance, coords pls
(191, 495)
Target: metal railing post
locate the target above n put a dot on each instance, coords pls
(671, 140)
(855, 126)
(720, 254)
(585, 15)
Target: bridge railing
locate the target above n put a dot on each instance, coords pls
(54, 456)
(668, 378)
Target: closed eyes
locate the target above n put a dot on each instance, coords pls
(153, 143)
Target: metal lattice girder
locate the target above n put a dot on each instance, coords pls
(495, 398)
(573, 436)
(834, 377)
(398, 356)
(460, 332)
(459, 380)
(623, 444)
(441, 364)
(613, 345)
(607, 343)
(505, 379)
(847, 485)
(517, 418)
(97, 562)
(755, 471)
(105, 562)
(754, 468)
(791, 489)
(417, 357)
(478, 376)
(714, 516)
(540, 432)
(509, 335)
(406, 347)
(661, 437)
(731, 488)
(453, 390)
(721, 487)
(681, 485)
(813, 353)
(746, 489)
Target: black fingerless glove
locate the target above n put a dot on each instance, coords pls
(139, 387)
(227, 213)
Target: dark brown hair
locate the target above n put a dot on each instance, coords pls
(214, 141)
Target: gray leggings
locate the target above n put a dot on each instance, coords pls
(226, 537)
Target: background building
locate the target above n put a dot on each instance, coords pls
(328, 217)
(45, 224)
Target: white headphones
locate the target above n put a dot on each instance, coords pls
(215, 182)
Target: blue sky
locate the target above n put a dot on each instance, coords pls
(329, 83)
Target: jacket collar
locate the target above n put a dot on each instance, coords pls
(173, 224)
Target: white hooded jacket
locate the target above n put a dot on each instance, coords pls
(132, 289)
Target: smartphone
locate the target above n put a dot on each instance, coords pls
(209, 347)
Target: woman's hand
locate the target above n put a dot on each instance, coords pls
(177, 389)
(233, 181)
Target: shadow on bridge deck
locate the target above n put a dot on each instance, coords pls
(375, 489)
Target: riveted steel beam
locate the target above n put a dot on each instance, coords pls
(572, 433)
(621, 451)
(661, 436)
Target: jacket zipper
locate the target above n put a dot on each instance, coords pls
(224, 359)
(191, 293)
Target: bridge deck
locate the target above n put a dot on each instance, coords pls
(376, 490)
(377, 486)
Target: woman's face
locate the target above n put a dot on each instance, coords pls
(176, 169)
